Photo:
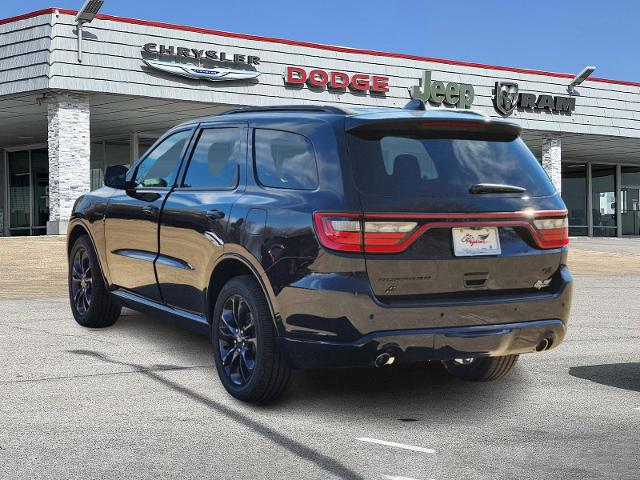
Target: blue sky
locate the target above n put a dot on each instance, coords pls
(558, 35)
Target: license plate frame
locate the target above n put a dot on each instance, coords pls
(475, 241)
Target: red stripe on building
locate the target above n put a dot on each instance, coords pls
(319, 46)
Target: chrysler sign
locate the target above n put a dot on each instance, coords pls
(222, 66)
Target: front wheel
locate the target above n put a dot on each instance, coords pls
(247, 358)
(481, 369)
(91, 303)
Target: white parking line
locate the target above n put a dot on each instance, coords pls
(390, 477)
(637, 408)
(396, 445)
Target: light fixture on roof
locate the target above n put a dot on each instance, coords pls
(581, 77)
(86, 14)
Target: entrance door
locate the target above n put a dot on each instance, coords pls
(28, 195)
(630, 210)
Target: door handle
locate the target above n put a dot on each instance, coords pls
(215, 214)
(149, 210)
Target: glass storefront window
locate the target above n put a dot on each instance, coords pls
(40, 190)
(574, 194)
(97, 164)
(19, 196)
(630, 200)
(28, 195)
(107, 153)
(603, 194)
(117, 153)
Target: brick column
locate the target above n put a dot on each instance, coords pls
(69, 153)
(551, 159)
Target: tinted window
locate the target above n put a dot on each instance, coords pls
(160, 167)
(285, 160)
(396, 165)
(215, 160)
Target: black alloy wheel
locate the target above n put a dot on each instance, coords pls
(81, 281)
(237, 340)
(91, 302)
(245, 343)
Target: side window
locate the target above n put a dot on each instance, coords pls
(285, 160)
(215, 160)
(160, 167)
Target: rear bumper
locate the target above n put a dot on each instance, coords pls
(331, 321)
(426, 344)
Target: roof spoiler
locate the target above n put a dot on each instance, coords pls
(473, 124)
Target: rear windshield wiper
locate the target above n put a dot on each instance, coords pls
(496, 188)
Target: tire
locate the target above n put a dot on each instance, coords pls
(91, 303)
(482, 369)
(244, 339)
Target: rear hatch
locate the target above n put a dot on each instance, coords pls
(451, 208)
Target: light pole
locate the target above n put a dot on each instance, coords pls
(86, 14)
(581, 77)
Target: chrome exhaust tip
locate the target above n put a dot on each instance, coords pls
(384, 359)
(545, 344)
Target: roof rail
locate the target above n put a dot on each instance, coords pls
(289, 108)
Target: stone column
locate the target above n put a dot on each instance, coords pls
(551, 159)
(69, 153)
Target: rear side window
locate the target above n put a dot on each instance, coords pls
(399, 165)
(285, 160)
(215, 160)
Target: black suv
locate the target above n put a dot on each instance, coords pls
(320, 237)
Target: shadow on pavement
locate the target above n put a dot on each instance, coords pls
(619, 375)
(325, 462)
(413, 391)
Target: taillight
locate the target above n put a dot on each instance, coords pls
(341, 232)
(377, 233)
(552, 232)
(344, 232)
(387, 237)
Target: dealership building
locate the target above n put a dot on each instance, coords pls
(78, 96)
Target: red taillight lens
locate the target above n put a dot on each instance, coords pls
(344, 232)
(552, 232)
(387, 237)
(373, 233)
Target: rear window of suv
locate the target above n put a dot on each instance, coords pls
(403, 165)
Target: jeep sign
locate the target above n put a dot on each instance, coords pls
(454, 94)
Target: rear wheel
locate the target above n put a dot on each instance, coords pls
(481, 369)
(91, 303)
(244, 342)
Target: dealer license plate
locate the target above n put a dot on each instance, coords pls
(468, 242)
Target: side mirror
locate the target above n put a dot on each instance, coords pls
(115, 176)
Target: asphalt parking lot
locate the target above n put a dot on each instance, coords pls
(141, 400)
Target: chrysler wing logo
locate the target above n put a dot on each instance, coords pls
(217, 74)
(506, 97)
